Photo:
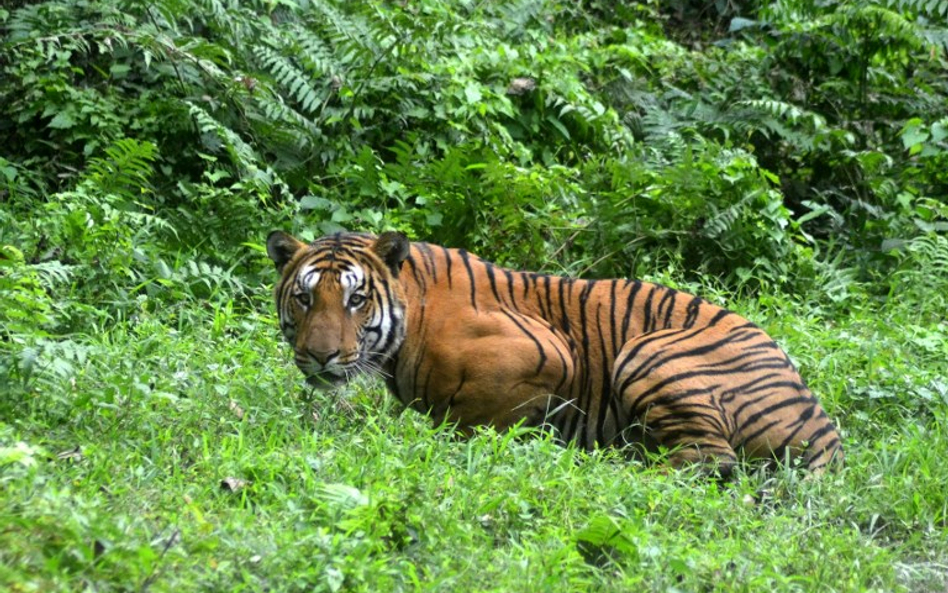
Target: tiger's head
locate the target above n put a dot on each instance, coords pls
(339, 301)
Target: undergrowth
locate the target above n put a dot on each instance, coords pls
(162, 455)
(786, 159)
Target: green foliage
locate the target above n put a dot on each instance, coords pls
(762, 149)
(867, 68)
(25, 304)
(111, 477)
(367, 116)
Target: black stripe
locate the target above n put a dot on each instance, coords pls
(746, 359)
(427, 257)
(323, 258)
(389, 310)
(693, 310)
(537, 298)
(414, 378)
(719, 316)
(530, 335)
(489, 268)
(804, 417)
(645, 340)
(510, 288)
(767, 413)
(683, 422)
(586, 292)
(821, 432)
(585, 388)
(647, 323)
(728, 395)
(447, 259)
(416, 273)
(641, 342)
(564, 314)
(470, 276)
(702, 351)
(717, 368)
(392, 381)
(457, 391)
(668, 301)
(612, 322)
(629, 310)
(564, 366)
(548, 314)
(605, 395)
(791, 385)
(668, 381)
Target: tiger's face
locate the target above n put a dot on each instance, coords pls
(339, 301)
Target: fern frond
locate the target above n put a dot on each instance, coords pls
(516, 16)
(722, 221)
(126, 168)
(314, 53)
(928, 8)
(241, 153)
(291, 78)
(782, 110)
(879, 20)
(928, 254)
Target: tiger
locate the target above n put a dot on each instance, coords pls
(600, 363)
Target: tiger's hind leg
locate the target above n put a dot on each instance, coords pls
(690, 437)
(664, 392)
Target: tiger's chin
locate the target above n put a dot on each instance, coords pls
(325, 381)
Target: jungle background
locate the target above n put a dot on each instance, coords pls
(786, 159)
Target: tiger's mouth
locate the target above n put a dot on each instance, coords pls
(326, 376)
(325, 380)
(336, 374)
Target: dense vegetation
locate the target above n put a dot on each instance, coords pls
(788, 159)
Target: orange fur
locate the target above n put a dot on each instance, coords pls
(608, 362)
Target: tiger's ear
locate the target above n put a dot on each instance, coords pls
(392, 247)
(281, 248)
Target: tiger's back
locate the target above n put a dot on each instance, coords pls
(608, 362)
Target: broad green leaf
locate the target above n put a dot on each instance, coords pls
(556, 123)
(739, 23)
(914, 134)
(311, 202)
(63, 120)
(472, 93)
(939, 131)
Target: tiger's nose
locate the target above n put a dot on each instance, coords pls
(323, 356)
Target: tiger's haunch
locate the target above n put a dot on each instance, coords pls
(605, 362)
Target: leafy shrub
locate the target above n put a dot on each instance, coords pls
(26, 308)
(539, 134)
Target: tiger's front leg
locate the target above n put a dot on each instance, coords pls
(504, 368)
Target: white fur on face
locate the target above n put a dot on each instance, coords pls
(307, 279)
(352, 280)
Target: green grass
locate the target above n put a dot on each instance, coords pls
(113, 453)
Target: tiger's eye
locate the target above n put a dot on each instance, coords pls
(357, 300)
(303, 298)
